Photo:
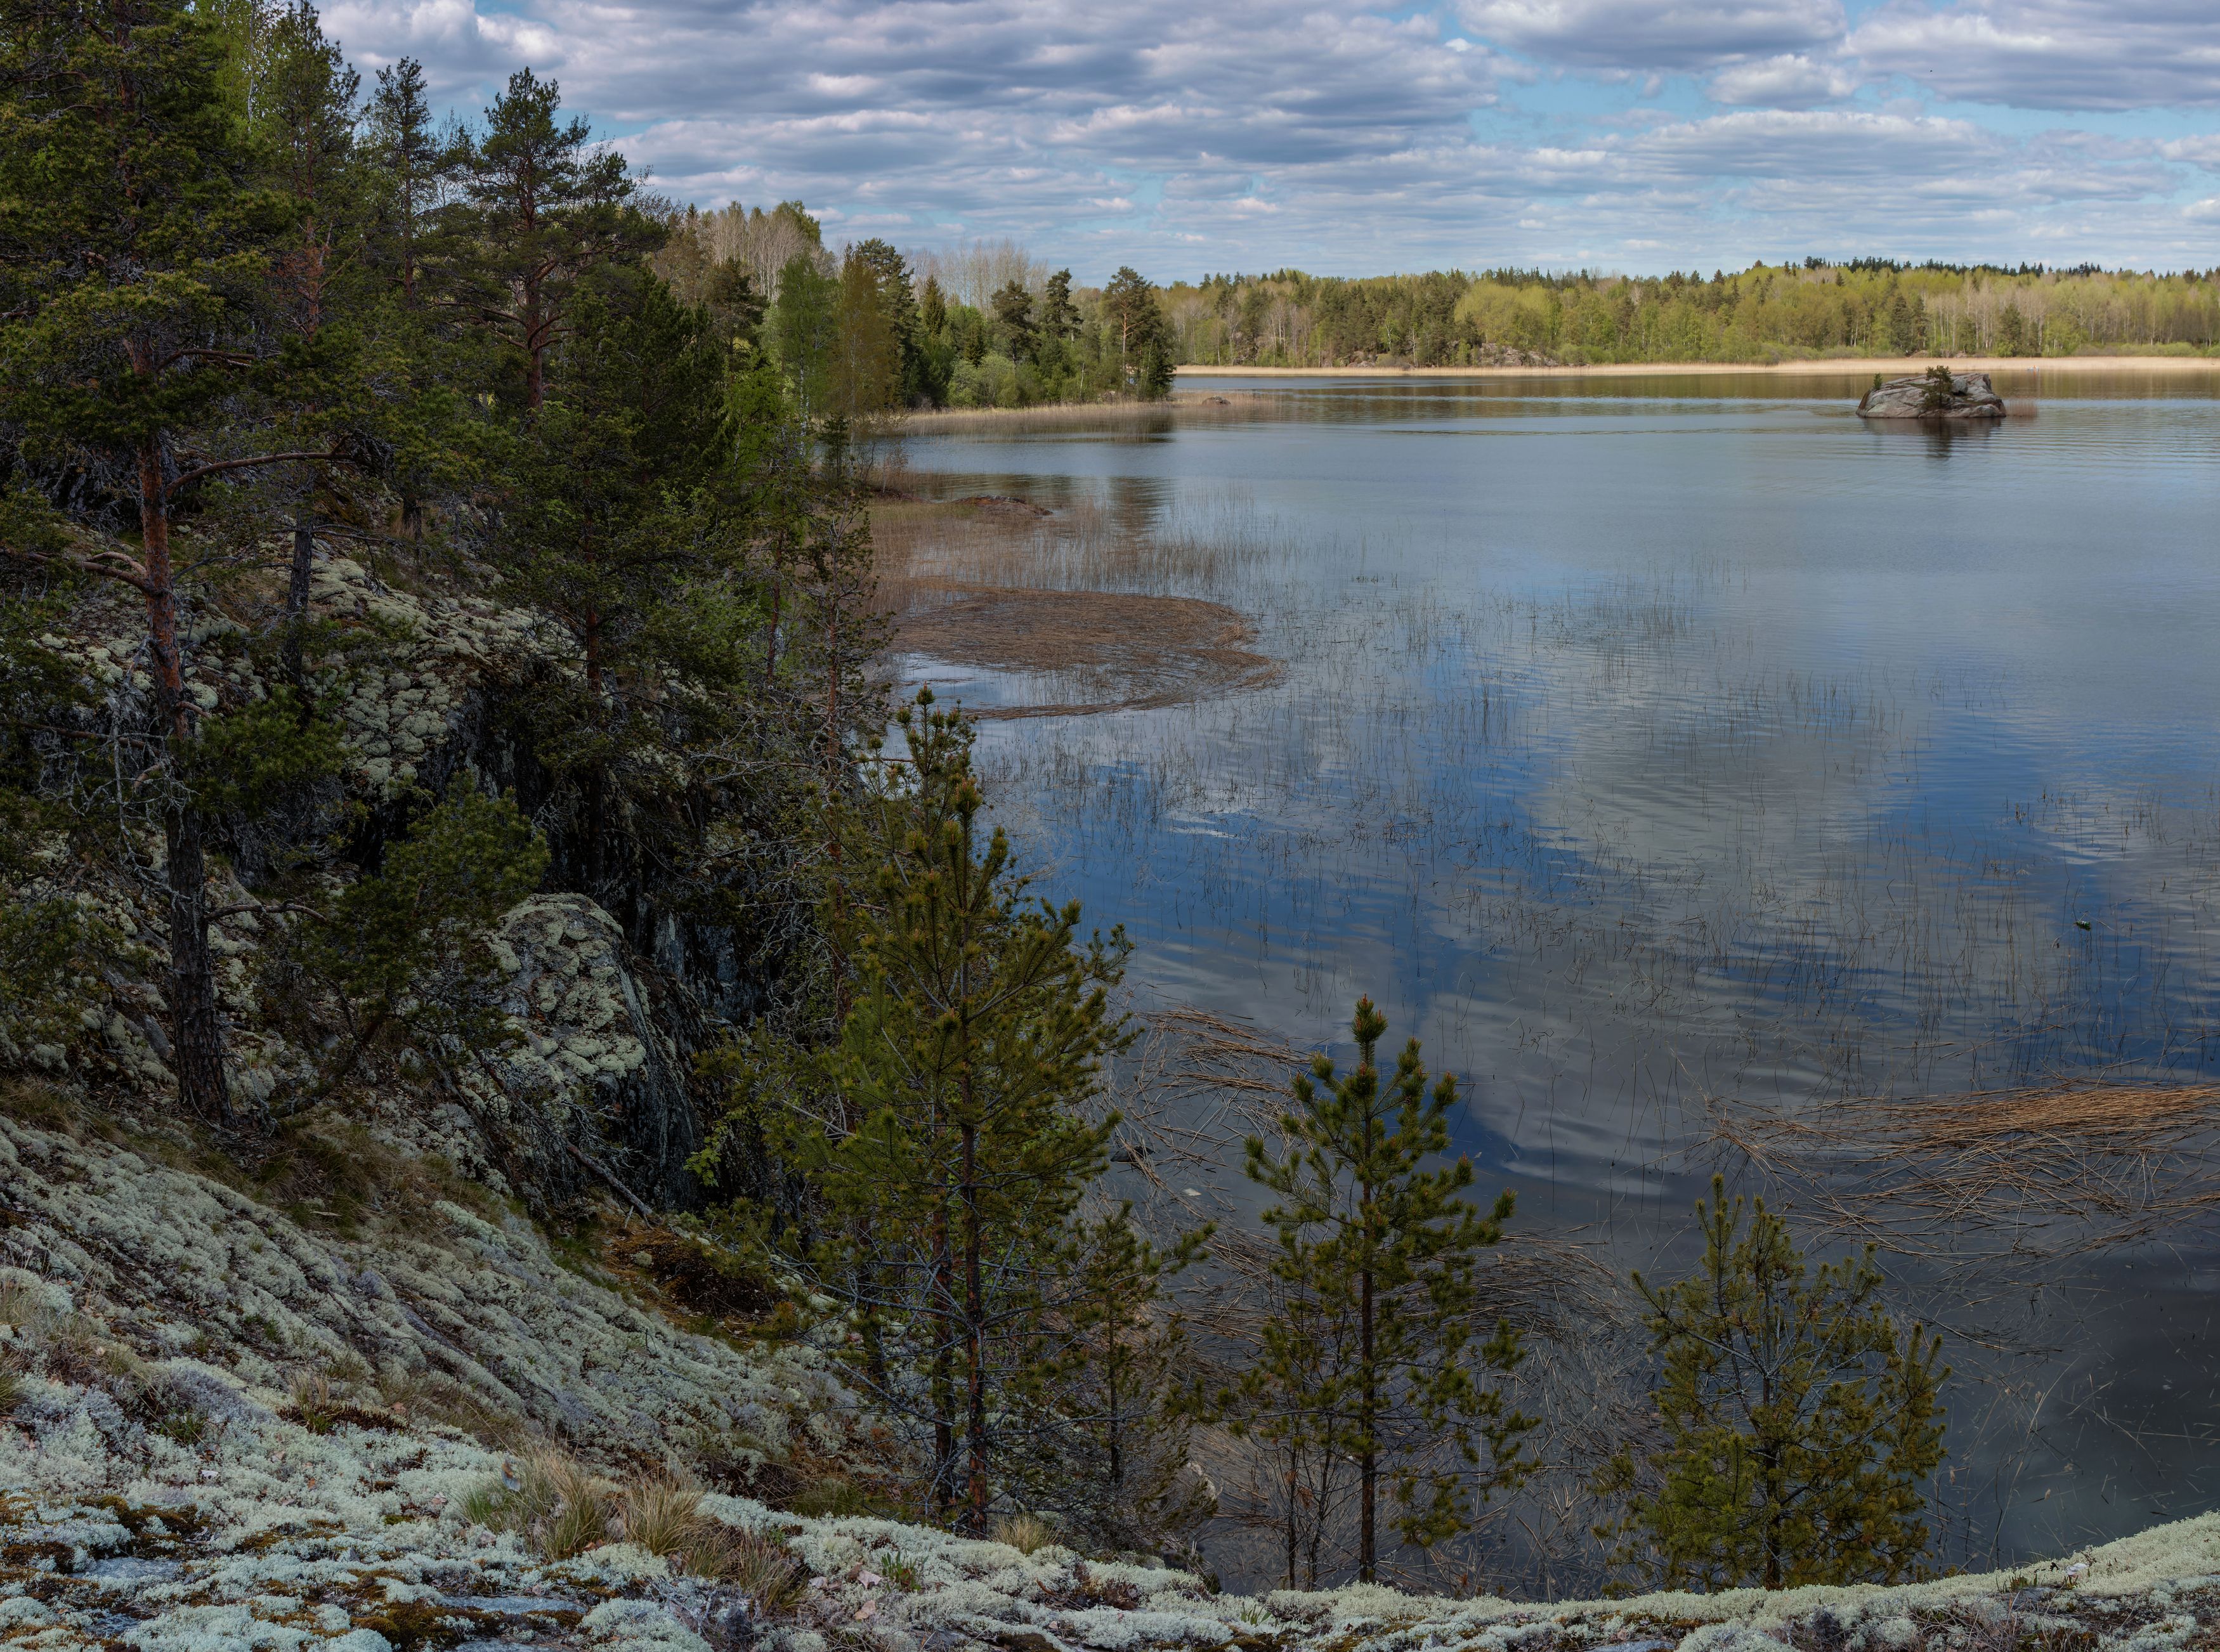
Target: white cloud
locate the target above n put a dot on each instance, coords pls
(1651, 35)
(1335, 136)
(2060, 54)
(1789, 81)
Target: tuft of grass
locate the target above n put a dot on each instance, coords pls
(577, 1525)
(661, 1514)
(761, 1566)
(561, 1507)
(19, 1304)
(11, 1390)
(1024, 1532)
(313, 1402)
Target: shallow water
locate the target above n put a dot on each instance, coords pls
(1666, 752)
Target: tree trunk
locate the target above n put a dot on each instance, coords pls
(296, 604)
(1369, 1460)
(944, 1366)
(535, 388)
(196, 1029)
(975, 1338)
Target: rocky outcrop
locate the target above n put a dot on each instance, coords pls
(218, 1519)
(1937, 393)
(167, 1484)
(445, 1296)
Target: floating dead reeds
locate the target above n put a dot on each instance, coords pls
(1061, 417)
(2037, 1170)
(1125, 652)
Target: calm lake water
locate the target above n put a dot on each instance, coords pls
(1671, 754)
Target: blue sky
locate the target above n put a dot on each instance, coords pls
(1183, 136)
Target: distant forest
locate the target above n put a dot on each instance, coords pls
(1765, 313)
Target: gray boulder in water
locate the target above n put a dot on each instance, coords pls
(1939, 393)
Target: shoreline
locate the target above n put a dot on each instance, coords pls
(1833, 366)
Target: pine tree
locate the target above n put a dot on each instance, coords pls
(419, 167)
(866, 369)
(1114, 1388)
(138, 251)
(1059, 317)
(607, 530)
(914, 364)
(404, 955)
(946, 1138)
(1388, 1246)
(1014, 313)
(1798, 1420)
(546, 212)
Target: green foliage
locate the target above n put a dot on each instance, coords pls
(1372, 1362)
(546, 212)
(947, 1141)
(245, 761)
(1797, 1420)
(406, 952)
(1765, 313)
(1118, 1469)
(46, 935)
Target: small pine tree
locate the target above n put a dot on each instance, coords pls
(1117, 1467)
(1797, 1420)
(1388, 1246)
(946, 1138)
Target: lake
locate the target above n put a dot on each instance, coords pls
(1713, 782)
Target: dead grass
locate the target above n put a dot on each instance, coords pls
(2040, 1169)
(1115, 615)
(1024, 1532)
(1117, 416)
(1122, 652)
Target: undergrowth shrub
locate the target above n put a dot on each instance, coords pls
(832, 1499)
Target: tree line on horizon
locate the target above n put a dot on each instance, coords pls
(1765, 313)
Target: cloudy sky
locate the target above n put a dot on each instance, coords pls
(1185, 136)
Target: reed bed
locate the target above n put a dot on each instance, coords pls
(2035, 1172)
(1080, 417)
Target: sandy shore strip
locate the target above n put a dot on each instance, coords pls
(1833, 366)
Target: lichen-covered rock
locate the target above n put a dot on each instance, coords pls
(583, 1038)
(183, 1265)
(1926, 396)
(261, 1534)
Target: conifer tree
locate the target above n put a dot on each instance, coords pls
(546, 212)
(1059, 317)
(403, 954)
(135, 248)
(1388, 1246)
(948, 1144)
(866, 371)
(1014, 313)
(417, 167)
(1798, 1420)
(1113, 1389)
